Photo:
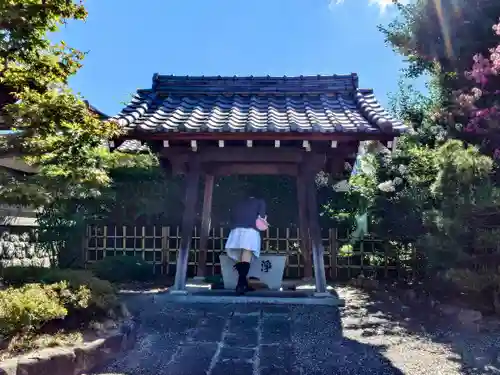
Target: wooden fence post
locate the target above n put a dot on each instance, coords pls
(164, 249)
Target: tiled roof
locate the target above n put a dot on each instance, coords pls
(132, 146)
(93, 109)
(256, 104)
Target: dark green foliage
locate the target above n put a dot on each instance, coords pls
(17, 276)
(438, 195)
(121, 269)
(449, 32)
(103, 297)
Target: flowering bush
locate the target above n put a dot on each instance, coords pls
(480, 104)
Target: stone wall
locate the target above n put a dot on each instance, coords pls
(18, 247)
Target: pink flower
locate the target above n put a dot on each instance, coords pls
(496, 154)
(496, 28)
(482, 120)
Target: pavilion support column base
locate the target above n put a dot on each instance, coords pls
(322, 294)
(175, 292)
(308, 272)
(308, 172)
(196, 284)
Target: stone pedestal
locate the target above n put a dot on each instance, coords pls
(268, 269)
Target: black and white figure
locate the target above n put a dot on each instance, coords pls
(244, 241)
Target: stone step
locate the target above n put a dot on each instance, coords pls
(258, 297)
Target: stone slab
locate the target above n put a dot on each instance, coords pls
(256, 339)
(192, 359)
(257, 293)
(268, 269)
(255, 299)
(75, 360)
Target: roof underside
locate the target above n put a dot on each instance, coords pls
(256, 104)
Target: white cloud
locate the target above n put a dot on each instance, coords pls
(333, 3)
(382, 4)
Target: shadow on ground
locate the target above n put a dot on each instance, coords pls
(243, 339)
(377, 314)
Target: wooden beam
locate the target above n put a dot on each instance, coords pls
(268, 161)
(314, 228)
(205, 225)
(188, 216)
(305, 241)
(238, 154)
(227, 169)
(265, 136)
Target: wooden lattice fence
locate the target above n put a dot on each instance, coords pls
(158, 246)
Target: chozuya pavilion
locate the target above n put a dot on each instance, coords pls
(209, 126)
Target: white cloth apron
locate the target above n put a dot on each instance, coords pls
(243, 238)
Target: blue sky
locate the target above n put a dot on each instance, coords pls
(129, 40)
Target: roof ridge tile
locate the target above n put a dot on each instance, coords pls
(299, 103)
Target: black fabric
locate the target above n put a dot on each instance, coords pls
(245, 213)
(242, 268)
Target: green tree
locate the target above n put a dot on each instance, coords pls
(55, 130)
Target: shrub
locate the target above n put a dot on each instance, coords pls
(122, 269)
(18, 276)
(471, 281)
(103, 297)
(29, 307)
(484, 286)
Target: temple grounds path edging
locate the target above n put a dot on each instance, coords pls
(75, 360)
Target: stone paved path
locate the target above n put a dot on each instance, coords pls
(243, 339)
(362, 338)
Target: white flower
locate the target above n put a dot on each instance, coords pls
(341, 186)
(398, 181)
(402, 169)
(387, 186)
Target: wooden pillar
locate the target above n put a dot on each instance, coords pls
(305, 242)
(192, 182)
(315, 231)
(206, 217)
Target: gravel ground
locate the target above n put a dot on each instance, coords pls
(368, 336)
(419, 341)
